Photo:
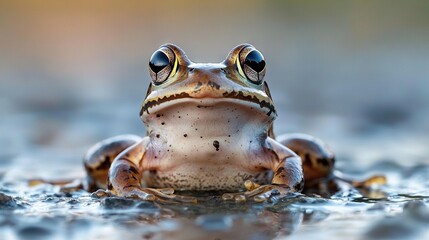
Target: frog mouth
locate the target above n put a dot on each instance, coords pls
(235, 96)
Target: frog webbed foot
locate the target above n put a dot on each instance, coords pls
(368, 187)
(162, 195)
(258, 193)
(338, 182)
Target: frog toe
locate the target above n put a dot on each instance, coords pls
(166, 195)
(258, 193)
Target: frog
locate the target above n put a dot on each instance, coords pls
(209, 127)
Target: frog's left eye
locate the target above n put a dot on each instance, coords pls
(251, 65)
(162, 65)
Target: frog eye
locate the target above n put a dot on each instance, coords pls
(251, 65)
(162, 65)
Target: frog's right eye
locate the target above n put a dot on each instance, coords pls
(251, 65)
(162, 65)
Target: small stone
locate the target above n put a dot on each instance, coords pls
(100, 194)
(240, 198)
(7, 202)
(117, 203)
(147, 207)
(227, 196)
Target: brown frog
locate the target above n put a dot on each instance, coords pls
(209, 127)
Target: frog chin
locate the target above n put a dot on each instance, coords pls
(209, 119)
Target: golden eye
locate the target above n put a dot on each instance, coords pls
(251, 65)
(162, 65)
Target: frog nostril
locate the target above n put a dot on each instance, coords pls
(191, 69)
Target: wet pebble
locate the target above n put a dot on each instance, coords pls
(7, 202)
(117, 203)
(147, 207)
(101, 194)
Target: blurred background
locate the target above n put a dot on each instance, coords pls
(354, 73)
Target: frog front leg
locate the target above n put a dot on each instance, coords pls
(99, 158)
(317, 159)
(125, 177)
(287, 174)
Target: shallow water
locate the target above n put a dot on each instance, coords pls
(396, 210)
(42, 212)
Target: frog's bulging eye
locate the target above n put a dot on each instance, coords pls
(251, 65)
(158, 61)
(162, 65)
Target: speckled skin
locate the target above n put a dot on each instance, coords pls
(208, 128)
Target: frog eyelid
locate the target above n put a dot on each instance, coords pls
(175, 67)
(239, 69)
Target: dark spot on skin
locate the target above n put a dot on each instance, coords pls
(180, 117)
(133, 170)
(279, 170)
(105, 164)
(201, 136)
(323, 161)
(162, 123)
(216, 144)
(299, 186)
(213, 85)
(198, 87)
(157, 135)
(129, 186)
(229, 135)
(307, 159)
(157, 115)
(185, 135)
